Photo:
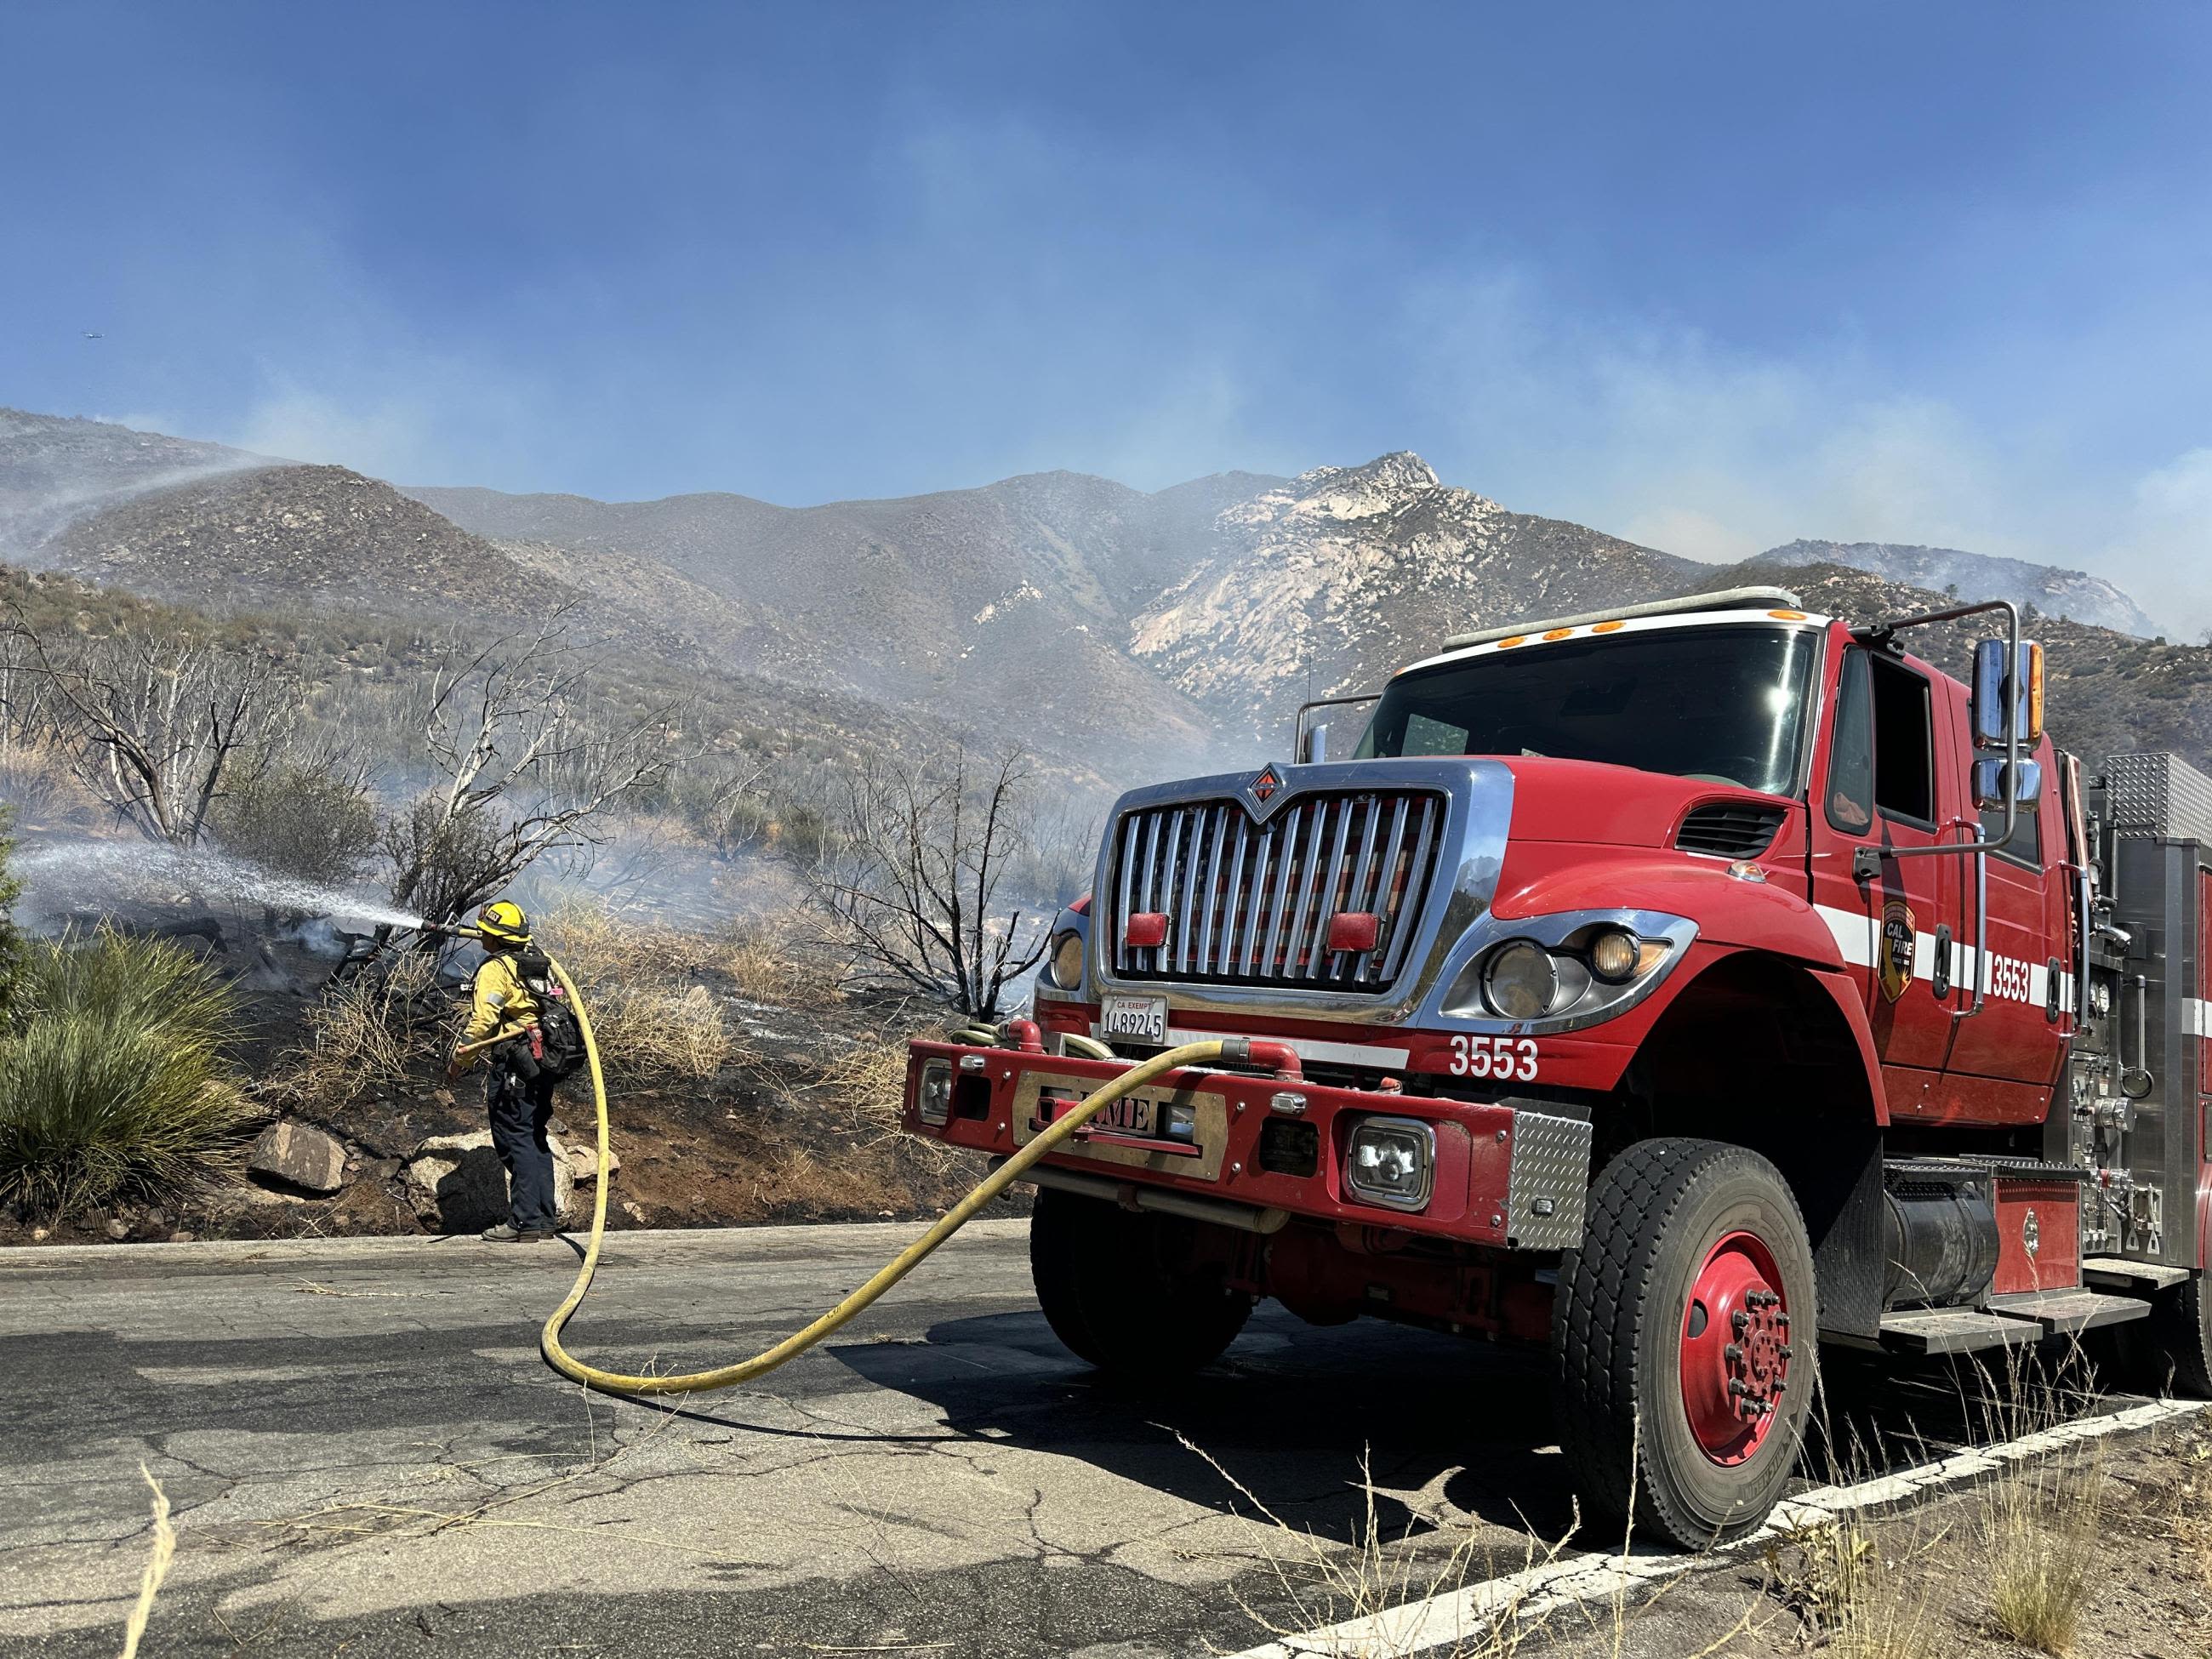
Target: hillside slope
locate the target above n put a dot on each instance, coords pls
(292, 537)
(1012, 600)
(52, 467)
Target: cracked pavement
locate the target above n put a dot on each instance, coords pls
(365, 1456)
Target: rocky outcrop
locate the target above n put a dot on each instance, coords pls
(295, 1157)
(1333, 581)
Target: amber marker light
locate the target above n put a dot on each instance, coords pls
(1608, 627)
(1558, 633)
(1508, 644)
(1787, 616)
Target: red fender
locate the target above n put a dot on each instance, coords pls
(1733, 917)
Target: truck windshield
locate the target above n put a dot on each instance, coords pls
(1718, 703)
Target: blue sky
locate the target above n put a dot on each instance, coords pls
(1710, 277)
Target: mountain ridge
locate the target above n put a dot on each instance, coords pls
(2054, 590)
(1147, 633)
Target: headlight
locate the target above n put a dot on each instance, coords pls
(1068, 960)
(932, 1102)
(1522, 981)
(1581, 967)
(1392, 1162)
(1613, 955)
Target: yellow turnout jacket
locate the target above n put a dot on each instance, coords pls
(501, 1006)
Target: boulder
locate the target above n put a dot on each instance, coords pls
(296, 1157)
(582, 1157)
(456, 1183)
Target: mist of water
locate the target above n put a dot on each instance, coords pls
(97, 874)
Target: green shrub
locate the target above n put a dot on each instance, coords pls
(313, 819)
(113, 1085)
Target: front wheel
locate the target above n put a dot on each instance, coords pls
(1685, 1335)
(1139, 1294)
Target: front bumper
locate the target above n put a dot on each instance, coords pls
(1507, 1175)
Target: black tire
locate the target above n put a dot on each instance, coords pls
(1661, 1216)
(2175, 1353)
(1133, 1293)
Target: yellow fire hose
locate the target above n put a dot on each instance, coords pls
(743, 1370)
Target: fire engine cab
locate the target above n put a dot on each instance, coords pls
(1685, 988)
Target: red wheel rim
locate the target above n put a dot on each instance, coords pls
(1735, 1348)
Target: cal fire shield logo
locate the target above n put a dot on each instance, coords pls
(1896, 959)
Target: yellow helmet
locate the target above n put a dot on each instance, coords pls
(503, 923)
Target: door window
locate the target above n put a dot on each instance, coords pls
(1903, 748)
(1851, 754)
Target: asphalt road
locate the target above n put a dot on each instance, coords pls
(366, 1456)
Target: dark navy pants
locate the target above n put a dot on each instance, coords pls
(519, 1112)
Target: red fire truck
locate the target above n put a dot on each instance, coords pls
(1687, 988)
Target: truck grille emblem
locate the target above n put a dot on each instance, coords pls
(1264, 786)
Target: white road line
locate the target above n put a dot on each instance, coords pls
(1465, 1615)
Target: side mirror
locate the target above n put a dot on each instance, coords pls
(1994, 692)
(1990, 782)
(1316, 749)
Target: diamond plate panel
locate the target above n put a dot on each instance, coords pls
(2160, 796)
(1547, 1183)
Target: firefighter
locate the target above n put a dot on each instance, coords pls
(518, 1092)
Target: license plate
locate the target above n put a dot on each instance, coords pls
(1140, 1019)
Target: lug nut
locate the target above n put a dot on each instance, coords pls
(1740, 1320)
(1733, 1353)
(1737, 1385)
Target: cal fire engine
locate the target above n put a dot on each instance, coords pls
(1685, 987)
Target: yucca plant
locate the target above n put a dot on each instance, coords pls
(112, 1082)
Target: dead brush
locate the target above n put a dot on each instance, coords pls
(366, 1031)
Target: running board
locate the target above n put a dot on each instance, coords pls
(2006, 1320)
(2113, 1273)
(2064, 1313)
(1953, 1330)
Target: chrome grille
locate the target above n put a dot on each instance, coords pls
(1250, 903)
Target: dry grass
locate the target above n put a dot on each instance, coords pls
(770, 959)
(2040, 1527)
(1851, 1595)
(1324, 1585)
(793, 1181)
(653, 1016)
(2192, 1518)
(157, 1569)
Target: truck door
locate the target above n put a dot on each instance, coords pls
(2016, 1038)
(1879, 782)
